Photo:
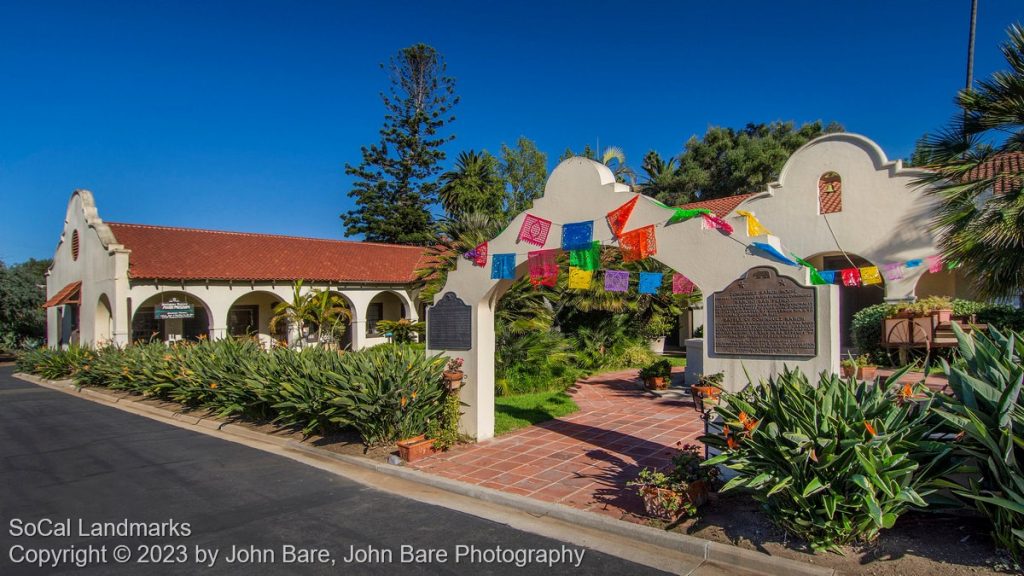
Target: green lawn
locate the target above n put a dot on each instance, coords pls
(521, 410)
(676, 360)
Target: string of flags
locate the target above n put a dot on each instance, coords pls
(641, 243)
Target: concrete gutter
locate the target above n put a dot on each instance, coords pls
(714, 553)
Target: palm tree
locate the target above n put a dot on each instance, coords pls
(300, 312)
(458, 235)
(663, 180)
(332, 316)
(977, 165)
(613, 157)
(474, 185)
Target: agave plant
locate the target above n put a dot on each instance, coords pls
(832, 463)
(987, 382)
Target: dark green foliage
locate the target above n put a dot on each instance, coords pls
(473, 185)
(525, 170)
(658, 369)
(990, 412)
(446, 428)
(395, 181)
(725, 162)
(385, 392)
(978, 185)
(833, 463)
(401, 331)
(22, 293)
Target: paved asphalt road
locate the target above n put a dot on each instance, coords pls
(67, 458)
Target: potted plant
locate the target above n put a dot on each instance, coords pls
(849, 367)
(415, 448)
(939, 306)
(865, 369)
(656, 376)
(680, 491)
(453, 374)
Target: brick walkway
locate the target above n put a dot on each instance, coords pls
(585, 459)
(938, 382)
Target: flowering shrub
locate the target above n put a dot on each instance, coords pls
(832, 463)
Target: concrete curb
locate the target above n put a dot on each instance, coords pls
(716, 552)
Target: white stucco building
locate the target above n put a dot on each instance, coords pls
(108, 280)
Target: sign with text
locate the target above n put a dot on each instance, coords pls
(174, 309)
(764, 314)
(450, 324)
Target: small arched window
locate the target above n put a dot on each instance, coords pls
(74, 245)
(830, 193)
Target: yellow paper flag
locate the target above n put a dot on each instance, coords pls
(579, 279)
(870, 275)
(754, 226)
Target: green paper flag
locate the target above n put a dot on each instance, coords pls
(589, 259)
(683, 214)
(816, 278)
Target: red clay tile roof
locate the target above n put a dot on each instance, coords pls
(719, 206)
(1006, 168)
(159, 252)
(70, 294)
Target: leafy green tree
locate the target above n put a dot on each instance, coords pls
(726, 162)
(977, 178)
(22, 294)
(395, 183)
(473, 185)
(525, 170)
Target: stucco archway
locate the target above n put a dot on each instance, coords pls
(582, 190)
(145, 326)
(852, 299)
(385, 305)
(250, 315)
(103, 325)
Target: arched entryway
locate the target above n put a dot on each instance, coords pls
(386, 305)
(103, 323)
(852, 299)
(169, 316)
(250, 315)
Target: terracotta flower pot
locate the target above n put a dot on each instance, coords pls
(415, 448)
(866, 372)
(944, 316)
(849, 371)
(697, 492)
(655, 383)
(661, 502)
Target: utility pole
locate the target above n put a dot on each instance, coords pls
(970, 45)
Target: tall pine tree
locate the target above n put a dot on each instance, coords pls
(395, 184)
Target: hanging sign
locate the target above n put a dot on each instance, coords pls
(174, 309)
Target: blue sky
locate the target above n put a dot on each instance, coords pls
(241, 115)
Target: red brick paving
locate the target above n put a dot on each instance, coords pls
(585, 459)
(937, 383)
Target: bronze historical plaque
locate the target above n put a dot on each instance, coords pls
(450, 324)
(764, 314)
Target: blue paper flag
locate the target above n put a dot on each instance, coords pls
(829, 276)
(577, 235)
(913, 263)
(503, 267)
(773, 252)
(650, 282)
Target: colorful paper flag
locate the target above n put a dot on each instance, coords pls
(935, 264)
(589, 259)
(869, 275)
(893, 271)
(829, 276)
(773, 252)
(503, 267)
(543, 267)
(650, 282)
(851, 277)
(712, 222)
(577, 235)
(681, 284)
(616, 280)
(684, 214)
(478, 255)
(913, 263)
(534, 230)
(754, 226)
(580, 279)
(618, 218)
(638, 244)
(816, 278)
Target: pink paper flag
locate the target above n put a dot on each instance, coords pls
(851, 277)
(478, 255)
(893, 271)
(534, 230)
(935, 264)
(714, 222)
(543, 267)
(681, 284)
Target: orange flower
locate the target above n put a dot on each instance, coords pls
(748, 423)
(213, 385)
(413, 394)
(869, 427)
(404, 401)
(731, 443)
